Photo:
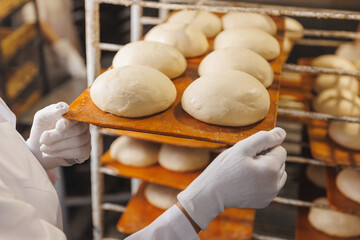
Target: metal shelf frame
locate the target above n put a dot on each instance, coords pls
(93, 53)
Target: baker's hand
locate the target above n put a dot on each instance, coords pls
(247, 175)
(56, 141)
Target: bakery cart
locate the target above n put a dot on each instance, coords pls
(291, 115)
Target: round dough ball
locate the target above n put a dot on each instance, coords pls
(163, 57)
(287, 44)
(207, 22)
(254, 39)
(238, 58)
(233, 20)
(337, 102)
(293, 29)
(348, 182)
(316, 175)
(183, 159)
(350, 51)
(133, 91)
(189, 40)
(334, 223)
(229, 98)
(134, 152)
(161, 196)
(326, 81)
(333, 61)
(346, 134)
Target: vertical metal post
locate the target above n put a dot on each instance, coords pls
(136, 28)
(92, 28)
(163, 13)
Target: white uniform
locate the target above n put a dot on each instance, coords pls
(29, 205)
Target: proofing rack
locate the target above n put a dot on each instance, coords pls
(94, 48)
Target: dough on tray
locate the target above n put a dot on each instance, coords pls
(293, 28)
(183, 159)
(161, 196)
(254, 39)
(238, 58)
(189, 40)
(163, 57)
(209, 23)
(333, 61)
(337, 102)
(134, 152)
(348, 182)
(316, 175)
(334, 223)
(346, 134)
(326, 81)
(233, 20)
(229, 98)
(133, 91)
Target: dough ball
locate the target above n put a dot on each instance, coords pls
(326, 81)
(161, 196)
(133, 91)
(348, 182)
(229, 98)
(183, 159)
(134, 152)
(254, 39)
(189, 40)
(316, 175)
(333, 61)
(233, 20)
(346, 134)
(238, 58)
(287, 45)
(350, 51)
(337, 102)
(293, 28)
(207, 22)
(334, 223)
(357, 64)
(163, 57)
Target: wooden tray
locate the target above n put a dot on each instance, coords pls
(155, 174)
(183, 142)
(231, 225)
(337, 200)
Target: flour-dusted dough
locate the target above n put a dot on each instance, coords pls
(326, 81)
(134, 152)
(333, 61)
(337, 102)
(346, 134)
(293, 29)
(254, 39)
(229, 98)
(233, 20)
(316, 174)
(133, 91)
(183, 159)
(207, 22)
(334, 223)
(350, 51)
(161, 196)
(348, 182)
(238, 58)
(188, 39)
(163, 57)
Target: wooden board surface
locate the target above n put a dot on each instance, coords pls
(337, 200)
(155, 174)
(183, 142)
(234, 224)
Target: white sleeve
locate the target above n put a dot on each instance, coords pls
(19, 220)
(172, 224)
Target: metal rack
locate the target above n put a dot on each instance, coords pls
(94, 48)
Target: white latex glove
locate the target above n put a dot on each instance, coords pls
(70, 58)
(247, 175)
(56, 141)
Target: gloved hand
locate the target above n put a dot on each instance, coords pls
(56, 141)
(247, 175)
